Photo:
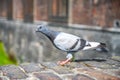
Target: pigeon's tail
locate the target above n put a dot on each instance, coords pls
(102, 48)
(92, 45)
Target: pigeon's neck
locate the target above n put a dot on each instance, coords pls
(51, 34)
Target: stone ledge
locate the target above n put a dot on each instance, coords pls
(75, 26)
(84, 70)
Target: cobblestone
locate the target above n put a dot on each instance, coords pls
(82, 77)
(87, 70)
(4, 78)
(31, 67)
(62, 70)
(13, 72)
(47, 76)
(98, 75)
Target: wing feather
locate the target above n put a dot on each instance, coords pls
(65, 41)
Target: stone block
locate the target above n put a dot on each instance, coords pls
(82, 77)
(4, 78)
(13, 72)
(31, 67)
(98, 75)
(47, 76)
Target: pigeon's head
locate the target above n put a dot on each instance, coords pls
(41, 28)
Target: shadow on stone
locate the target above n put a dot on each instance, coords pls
(83, 60)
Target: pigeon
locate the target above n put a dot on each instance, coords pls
(69, 43)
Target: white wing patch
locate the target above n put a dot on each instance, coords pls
(93, 45)
(65, 41)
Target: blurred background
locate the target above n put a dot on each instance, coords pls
(93, 20)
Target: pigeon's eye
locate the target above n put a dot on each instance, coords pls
(40, 27)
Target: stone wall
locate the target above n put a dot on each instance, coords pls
(20, 39)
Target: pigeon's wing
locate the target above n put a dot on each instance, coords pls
(67, 42)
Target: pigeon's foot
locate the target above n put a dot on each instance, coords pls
(62, 63)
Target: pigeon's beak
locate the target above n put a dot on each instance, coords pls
(37, 30)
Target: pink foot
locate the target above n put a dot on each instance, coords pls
(63, 62)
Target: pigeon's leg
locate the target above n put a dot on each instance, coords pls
(69, 59)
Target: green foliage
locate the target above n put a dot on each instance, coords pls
(5, 59)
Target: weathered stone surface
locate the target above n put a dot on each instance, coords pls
(57, 68)
(102, 65)
(77, 65)
(82, 77)
(13, 72)
(47, 76)
(115, 72)
(31, 67)
(117, 58)
(49, 64)
(87, 70)
(4, 78)
(98, 75)
(1, 73)
(31, 78)
(68, 77)
(62, 70)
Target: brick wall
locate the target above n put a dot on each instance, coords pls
(90, 12)
(3, 9)
(40, 10)
(113, 12)
(18, 10)
(81, 12)
(96, 12)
